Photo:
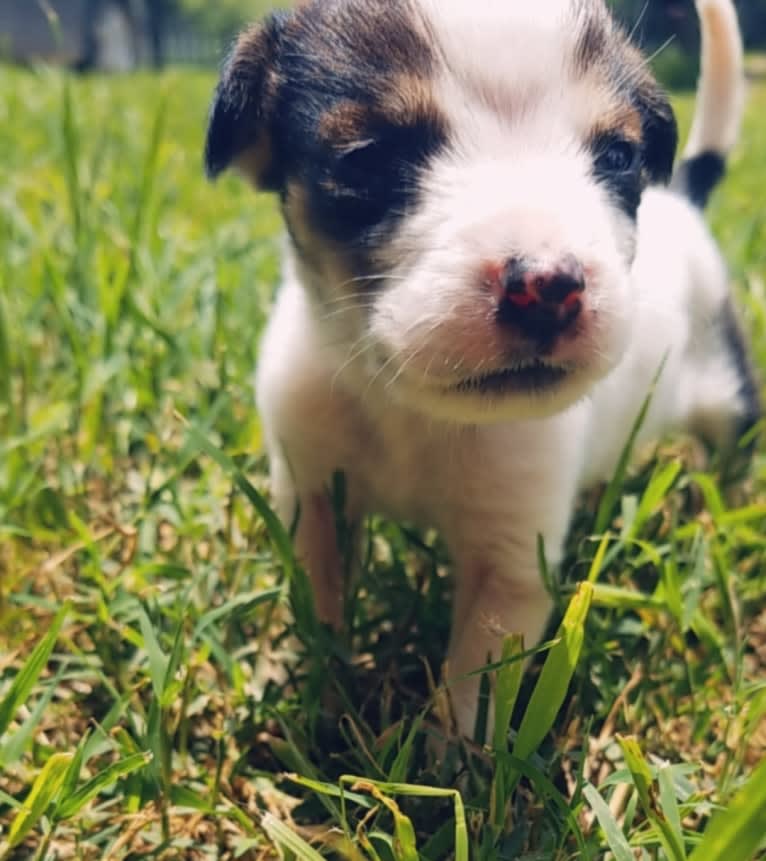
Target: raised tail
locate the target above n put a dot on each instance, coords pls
(720, 103)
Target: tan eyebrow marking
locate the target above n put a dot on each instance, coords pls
(622, 120)
(403, 100)
(344, 123)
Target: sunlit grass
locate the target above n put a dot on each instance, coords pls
(173, 692)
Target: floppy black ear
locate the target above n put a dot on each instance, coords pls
(660, 133)
(239, 132)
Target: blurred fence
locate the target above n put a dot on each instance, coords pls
(115, 35)
(188, 47)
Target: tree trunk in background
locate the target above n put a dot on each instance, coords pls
(158, 13)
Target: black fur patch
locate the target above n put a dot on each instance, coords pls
(625, 186)
(696, 177)
(660, 131)
(603, 49)
(736, 344)
(240, 113)
(332, 97)
(348, 68)
(357, 196)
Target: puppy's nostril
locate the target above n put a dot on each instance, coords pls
(515, 278)
(561, 289)
(541, 301)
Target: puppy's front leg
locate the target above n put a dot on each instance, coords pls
(490, 603)
(316, 540)
(509, 502)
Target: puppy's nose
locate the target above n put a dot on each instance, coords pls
(542, 301)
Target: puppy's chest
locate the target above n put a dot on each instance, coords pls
(400, 464)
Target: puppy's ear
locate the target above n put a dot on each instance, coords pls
(660, 133)
(239, 129)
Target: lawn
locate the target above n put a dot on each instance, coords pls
(160, 669)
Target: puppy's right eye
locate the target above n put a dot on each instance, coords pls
(357, 152)
(358, 186)
(368, 184)
(357, 163)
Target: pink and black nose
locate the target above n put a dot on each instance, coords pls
(541, 301)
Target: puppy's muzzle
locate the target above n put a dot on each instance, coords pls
(540, 301)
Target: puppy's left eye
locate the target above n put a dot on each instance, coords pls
(617, 156)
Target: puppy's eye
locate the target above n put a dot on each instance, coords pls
(617, 157)
(362, 187)
(356, 162)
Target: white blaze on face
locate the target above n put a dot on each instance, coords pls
(514, 181)
(496, 39)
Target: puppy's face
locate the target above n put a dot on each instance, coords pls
(460, 181)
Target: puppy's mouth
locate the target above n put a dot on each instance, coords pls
(523, 378)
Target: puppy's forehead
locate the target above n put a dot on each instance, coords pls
(358, 41)
(460, 23)
(521, 42)
(364, 37)
(368, 51)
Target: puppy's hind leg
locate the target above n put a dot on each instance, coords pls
(725, 404)
(750, 410)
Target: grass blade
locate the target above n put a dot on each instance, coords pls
(72, 777)
(737, 833)
(551, 688)
(598, 560)
(44, 789)
(158, 660)
(240, 606)
(27, 677)
(9, 800)
(70, 137)
(671, 840)
(668, 800)
(619, 598)
(404, 832)
(322, 788)
(662, 480)
(276, 530)
(507, 687)
(612, 831)
(5, 358)
(286, 838)
(75, 802)
(461, 826)
(12, 749)
(401, 764)
(546, 790)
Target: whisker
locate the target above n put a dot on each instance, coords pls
(663, 47)
(639, 21)
(355, 352)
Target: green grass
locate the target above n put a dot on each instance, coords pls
(160, 669)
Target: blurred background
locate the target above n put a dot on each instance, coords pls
(119, 35)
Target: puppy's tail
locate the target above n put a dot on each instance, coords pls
(720, 102)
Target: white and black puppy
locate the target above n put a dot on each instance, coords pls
(484, 274)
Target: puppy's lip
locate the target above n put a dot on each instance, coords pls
(533, 375)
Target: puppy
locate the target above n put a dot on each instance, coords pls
(483, 277)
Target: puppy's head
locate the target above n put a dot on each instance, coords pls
(460, 181)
